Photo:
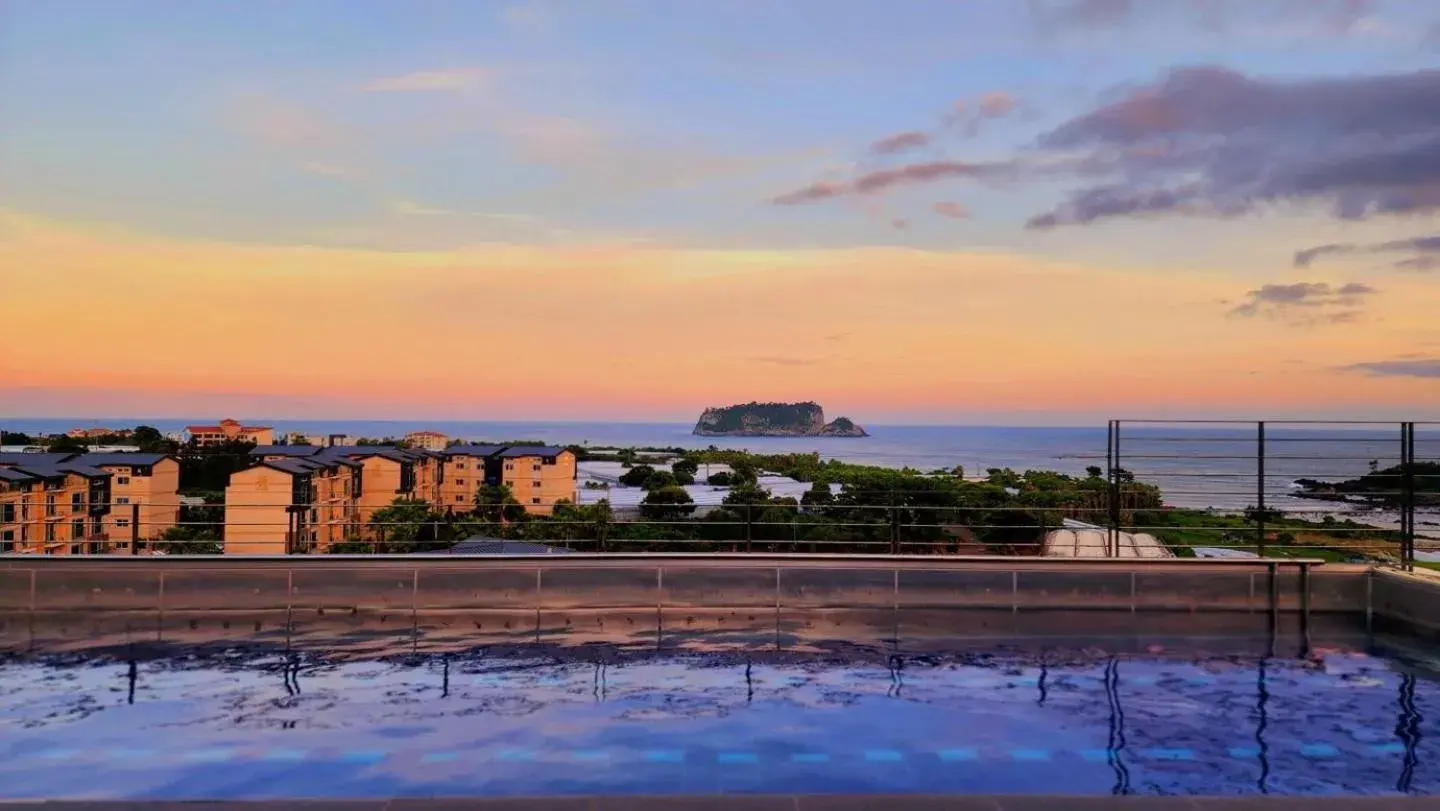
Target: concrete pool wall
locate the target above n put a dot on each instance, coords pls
(778, 602)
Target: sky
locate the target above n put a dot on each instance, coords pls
(924, 211)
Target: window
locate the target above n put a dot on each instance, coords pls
(77, 502)
(459, 481)
(49, 532)
(535, 500)
(7, 541)
(459, 465)
(122, 499)
(77, 529)
(7, 513)
(535, 483)
(509, 465)
(122, 479)
(50, 504)
(459, 499)
(96, 526)
(535, 468)
(122, 522)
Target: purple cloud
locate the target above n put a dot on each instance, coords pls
(1426, 250)
(881, 180)
(900, 142)
(1300, 302)
(1419, 367)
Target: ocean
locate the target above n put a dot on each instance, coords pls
(1195, 466)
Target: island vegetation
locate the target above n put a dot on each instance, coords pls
(1381, 487)
(774, 419)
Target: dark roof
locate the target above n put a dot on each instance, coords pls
(13, 475)
(98, 459)
(473, 450)
(34, 458)
(491, 546)
(531, 450)
(297, 467)
(363, 451)
(82, 470)
(285, 450)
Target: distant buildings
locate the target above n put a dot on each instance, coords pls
(303, 498)
(62, 503)
(427, 440)
(228, 430)
(96, 433)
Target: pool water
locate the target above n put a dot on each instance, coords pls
(238, 726)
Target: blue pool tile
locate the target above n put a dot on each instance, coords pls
(809, 757)
(953, 755)
(130, 753)
(1319, 750)
(362, 756)
(1030, 755)
(737, 757)
(440, 757)
(1096, 755)
(1168, 754)
(665, 756)
(517, 755)
(58, 754)
(210, 755)
(1244, 752)
(589, 755)
(1391, 748)
(1137, 680)
(883, 756)
(288, 755)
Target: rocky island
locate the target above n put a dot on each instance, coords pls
(773, 419)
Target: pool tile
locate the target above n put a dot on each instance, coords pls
(809, 757)
(737, 757)
(58, 754)
(1030, 755)
(129, 753)
(1168, 754)
(286, 755)
(589, 755)
(883, 756)
(1391, 748)
(1245, 752)
(1096, 755)
(1319, 750)
(954, 755)
(516, 755)
(665, 756)
(362, 756)
(440, 757)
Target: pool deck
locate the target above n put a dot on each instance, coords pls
(835, 802)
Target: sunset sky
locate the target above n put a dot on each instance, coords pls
(926, 211)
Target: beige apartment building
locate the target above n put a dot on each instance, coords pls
(427, 440)
(52, 505)
(142, 485)
(306, 498)
(229, 430)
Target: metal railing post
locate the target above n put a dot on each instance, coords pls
(1260, 487)
(1112, 461)
(1407, 496)
(135, 528)
(748, 526)
(894, 527)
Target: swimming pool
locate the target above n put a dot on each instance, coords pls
(245, 726)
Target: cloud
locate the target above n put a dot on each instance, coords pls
(326, 169)
(429, 81)
(1051, 14)
(775, 360)
(953, 210)
(880, 180)
(1422, 367)
(1426, 250)
(410, 208)
(532, 14)
(996, 104)
(989, 107)
(1329, 17)
(1301, 302)
(1211, 141)
(900, 142)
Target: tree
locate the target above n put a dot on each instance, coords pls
(685, 465)
(188, 539)
(495, 503)
(683, 477)
(658, 480)
(818, 497)
(667, 504)
(12, 438)
(637, 475)
(746, 494)
(400, 526)
(61, 443)
(721, 479)
(150, 440)
(1093, 471)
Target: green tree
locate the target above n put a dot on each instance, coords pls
(188, 539)
(667, 504)
(817, 498)
(1093, 471)
(637, 475)
(496, 504)
(721, 479)
(150, 440)
(61, 443)
(402, 526)
(658, 480)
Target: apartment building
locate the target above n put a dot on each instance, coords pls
(427, 440)
(304, 498)
(142, 485)
(228, 430)
(292, 504)
(538, 476)
(53, 505)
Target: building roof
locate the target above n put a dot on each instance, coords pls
(219, 429)
(425, 433)
(285, 450)
(12, 475)
(82, 469)
(131, 459)
(362, 451)
(473, 449)
(296, 467)
(531, 450)
(34, 458)
(481, 545)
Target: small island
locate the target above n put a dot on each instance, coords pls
(1380, 487)
(773, 419)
